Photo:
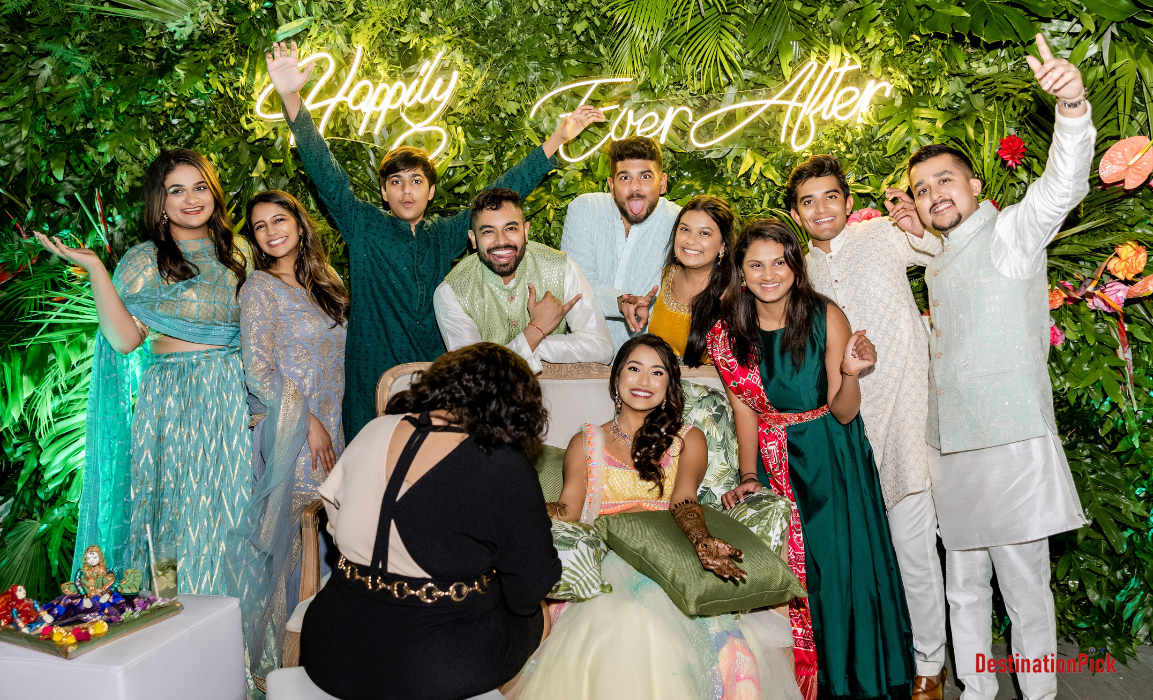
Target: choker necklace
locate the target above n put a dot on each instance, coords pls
(620, 434)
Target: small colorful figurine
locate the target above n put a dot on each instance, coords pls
(94, 579)
(16, 609)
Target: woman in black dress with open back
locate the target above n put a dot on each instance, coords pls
(444, 538)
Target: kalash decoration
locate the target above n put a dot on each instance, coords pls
(94, 608)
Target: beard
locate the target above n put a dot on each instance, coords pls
(627, 213)
(506, 269)
(944, 228)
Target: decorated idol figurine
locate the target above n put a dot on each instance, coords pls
(17, 609)
(94, 580)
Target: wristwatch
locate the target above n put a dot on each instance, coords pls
(1077, 102)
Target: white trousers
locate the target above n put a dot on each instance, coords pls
(1023, 578)
(913, 526)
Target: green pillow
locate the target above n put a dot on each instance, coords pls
(654, 545)
(581, 552)
(550, 470)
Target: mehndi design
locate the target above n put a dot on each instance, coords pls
(714, 553)
(556, 510)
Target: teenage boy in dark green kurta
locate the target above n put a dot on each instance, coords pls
(397, 257)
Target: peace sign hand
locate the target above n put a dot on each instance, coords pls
(1057, 76)
(284, 69)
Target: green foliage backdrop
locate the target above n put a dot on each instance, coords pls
(88, 95)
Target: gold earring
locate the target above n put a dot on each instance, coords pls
(163, 218)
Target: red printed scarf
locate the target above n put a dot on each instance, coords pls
(745, 383)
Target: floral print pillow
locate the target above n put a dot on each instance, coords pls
(581, 552)
(708, 409)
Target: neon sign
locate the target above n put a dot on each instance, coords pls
(814, 92)
(379, 99)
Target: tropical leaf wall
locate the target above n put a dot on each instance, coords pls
(89, 93)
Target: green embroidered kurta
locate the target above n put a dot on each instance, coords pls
(500, 312)
(393, 272)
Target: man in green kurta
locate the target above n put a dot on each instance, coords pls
(396, 257)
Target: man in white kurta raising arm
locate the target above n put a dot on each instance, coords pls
(862, 267)
(1001, 482)
(530, 298)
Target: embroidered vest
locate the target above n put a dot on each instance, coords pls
(500, 312)
(989, 346)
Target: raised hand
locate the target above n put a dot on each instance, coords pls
(1057, 76)
(83, 257)
(284, 69)
(860, 354)
(548, 312)
(570, 126)
(904, 212)
(636, 309)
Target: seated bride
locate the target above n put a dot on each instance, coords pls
(634, 642)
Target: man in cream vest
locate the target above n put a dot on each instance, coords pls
(510, 292)
(1001, 482)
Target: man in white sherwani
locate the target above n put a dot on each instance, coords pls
(862, 267)
(1001, 482)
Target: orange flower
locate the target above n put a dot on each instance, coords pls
(77, 271)
(1056, 299)
(1130, 260)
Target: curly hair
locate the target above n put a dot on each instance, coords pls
(662, 423)
(490, 392)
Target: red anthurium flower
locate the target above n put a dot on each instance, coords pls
(1012, 150)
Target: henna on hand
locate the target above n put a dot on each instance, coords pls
(556, 510)
(715, 554)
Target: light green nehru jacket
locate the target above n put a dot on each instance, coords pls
(500, 312)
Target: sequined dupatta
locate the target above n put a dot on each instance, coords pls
(265, 544)
(203, 310)
(745, 383)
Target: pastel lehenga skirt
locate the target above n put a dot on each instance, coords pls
(191, 463)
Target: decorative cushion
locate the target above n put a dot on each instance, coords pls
(581, 552)
(550, 470)
(767, 515)
(654, 545)
(709, 409)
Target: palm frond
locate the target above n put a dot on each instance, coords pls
(162, 11)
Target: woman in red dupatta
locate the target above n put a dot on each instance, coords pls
(790, 363)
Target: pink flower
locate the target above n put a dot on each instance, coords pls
(1012, 150)
(1116, 291)
(863, 215)
(1056, 335)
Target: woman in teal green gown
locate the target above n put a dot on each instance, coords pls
(790, 363)
(168, 444)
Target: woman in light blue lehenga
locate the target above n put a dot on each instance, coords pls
(167, 441)
(293, 314)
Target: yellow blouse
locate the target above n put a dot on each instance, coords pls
(623, 486)
(670, 319)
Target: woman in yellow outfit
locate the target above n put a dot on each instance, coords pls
(696, 275)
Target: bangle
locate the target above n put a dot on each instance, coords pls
(748, 477)
(1073, 104)
(543, 335)
(848, 374)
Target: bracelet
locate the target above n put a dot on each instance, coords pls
(748, 477)
(543, 335)
(848, 374)
(1077, 102)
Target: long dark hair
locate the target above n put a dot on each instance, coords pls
(739, 309)
(706, 306)
(490, 392)
(169, 258)
(662, 423)
(311, 269)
